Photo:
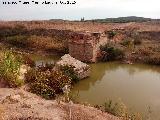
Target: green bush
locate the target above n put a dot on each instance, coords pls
(110, 53)
(10, 68)
(46, 82)
(69, 71)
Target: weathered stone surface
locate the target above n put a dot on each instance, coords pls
(81, 69)
(84, 46)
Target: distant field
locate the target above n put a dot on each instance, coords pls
(83, 26)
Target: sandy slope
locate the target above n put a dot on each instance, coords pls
(17, 104)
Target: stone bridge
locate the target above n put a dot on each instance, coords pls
(84, 46)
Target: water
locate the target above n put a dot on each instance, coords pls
(138, 86)
(43, 59)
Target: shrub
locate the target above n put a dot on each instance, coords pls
(12, 31)
(69, 71)
(111, 34)
(18, 41)
(46, 82)
(10, 68)
(144, 51)
(136, 36)
(65, 50)
(129, 42)
(109, 53)
(137, 41)
(154, 60)
(126, 42)
(117, 108)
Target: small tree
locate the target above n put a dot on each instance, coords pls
(82, 19)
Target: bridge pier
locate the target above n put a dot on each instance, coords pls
(84, 46)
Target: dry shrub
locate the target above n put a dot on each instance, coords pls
(119, 109)
(144, 51)
(153, 59)
(48, 44)
(1, 112)
(20, 41)
(43, 42)
(110, 53)
(6, 31)
(46, 82)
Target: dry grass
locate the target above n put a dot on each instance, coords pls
(1, 112)
(81, 26)
(44, 42)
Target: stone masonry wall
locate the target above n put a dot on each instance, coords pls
(85, 46)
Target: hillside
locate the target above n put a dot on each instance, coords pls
(123, 19)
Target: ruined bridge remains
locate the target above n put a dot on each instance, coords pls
(84, 46)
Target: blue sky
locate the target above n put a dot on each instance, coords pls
(89, 9)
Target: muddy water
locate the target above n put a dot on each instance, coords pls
(138, 87)
(43, 59)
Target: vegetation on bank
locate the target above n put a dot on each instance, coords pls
(10, 69)
(21, 38)
(43, 80)
(69, 71)
(120, 110)
(110, 53)
(46, 82)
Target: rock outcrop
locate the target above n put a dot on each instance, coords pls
(81, 69)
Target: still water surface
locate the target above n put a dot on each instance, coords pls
(137, 85)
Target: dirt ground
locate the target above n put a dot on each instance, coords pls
(17, 104)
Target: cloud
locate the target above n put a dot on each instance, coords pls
(87, 8)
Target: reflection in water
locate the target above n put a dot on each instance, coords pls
(136, 85)
(39, 59)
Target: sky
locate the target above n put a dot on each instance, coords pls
(89, 9)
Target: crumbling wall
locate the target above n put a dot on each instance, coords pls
(85, 46)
